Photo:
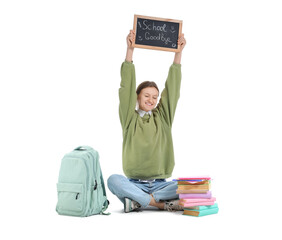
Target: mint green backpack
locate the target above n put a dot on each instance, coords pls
(81, 188)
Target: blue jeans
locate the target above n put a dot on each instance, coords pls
(140, 191)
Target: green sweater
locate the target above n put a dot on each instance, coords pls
(147, 142)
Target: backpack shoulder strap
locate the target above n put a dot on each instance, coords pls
(105, 206)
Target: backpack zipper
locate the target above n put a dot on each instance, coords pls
(76, 196)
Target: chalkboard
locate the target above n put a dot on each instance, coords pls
(157, 33)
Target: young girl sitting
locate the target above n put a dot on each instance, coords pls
(148, 157)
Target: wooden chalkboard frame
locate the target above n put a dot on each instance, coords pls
(158, 19)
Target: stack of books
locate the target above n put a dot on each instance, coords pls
(195, 196)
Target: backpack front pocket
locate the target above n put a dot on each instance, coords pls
(70, 198)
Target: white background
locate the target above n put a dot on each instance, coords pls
(60, 72)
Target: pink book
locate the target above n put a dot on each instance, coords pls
(195, 178)
(196, 204)
(197, 200)
(195, 195)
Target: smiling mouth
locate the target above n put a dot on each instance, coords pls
(149, 104)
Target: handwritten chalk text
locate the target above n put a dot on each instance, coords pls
(153, 27)
(159, 37)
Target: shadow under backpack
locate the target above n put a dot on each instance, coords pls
(80, 187)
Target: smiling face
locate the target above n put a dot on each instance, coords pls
(148, 98)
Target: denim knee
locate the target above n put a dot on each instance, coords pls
(114, 181)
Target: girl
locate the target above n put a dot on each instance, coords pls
(148, 157)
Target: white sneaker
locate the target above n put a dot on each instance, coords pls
(172, 205)
(130, 205)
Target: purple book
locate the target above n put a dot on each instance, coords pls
(195, 195)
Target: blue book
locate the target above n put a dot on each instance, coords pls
(203, 211)
(190, 180)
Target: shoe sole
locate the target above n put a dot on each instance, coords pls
(127, 205)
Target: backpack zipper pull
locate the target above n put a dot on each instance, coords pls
(95, 187)
(76, 196)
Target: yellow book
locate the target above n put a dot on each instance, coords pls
(193, 187)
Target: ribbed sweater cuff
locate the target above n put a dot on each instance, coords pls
(176, 65)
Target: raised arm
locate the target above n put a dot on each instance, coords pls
(182, 43)
(171, 92)
(127, 94)
(129, 40)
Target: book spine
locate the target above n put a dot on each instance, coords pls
(195, 195)
(196, 204)
(208, 212)
(197, 200)
(189, 187)
(195, 178)
(202, 207)
(185, 182)
(202, 212)
(179, 191)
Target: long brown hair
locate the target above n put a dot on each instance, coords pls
(145, 85)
